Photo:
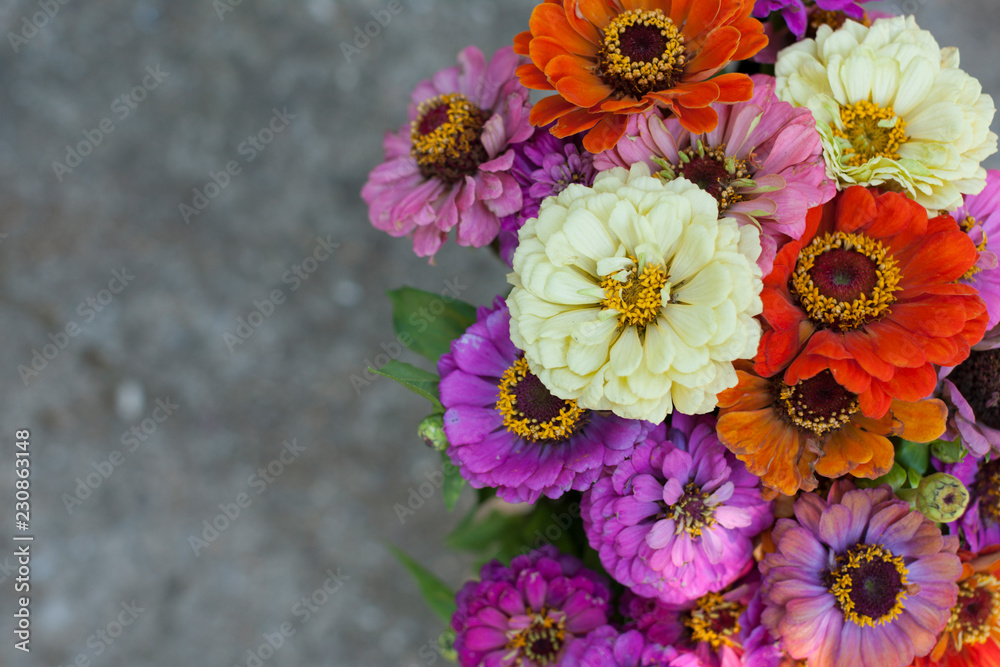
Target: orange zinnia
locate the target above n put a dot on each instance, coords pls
(869, 292)
(783, 433)
(972, 636)
(610, 58)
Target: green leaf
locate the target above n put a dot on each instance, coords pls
(437, 595)
(914, 455)
(949, 452)
(914, 477)
(895, 478)
(415, 379)
(453, 482)
(426, 322)
(480, 535)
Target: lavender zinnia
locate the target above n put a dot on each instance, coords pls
(506, 430)
(858, 580)
(677, 519)
(980, 525)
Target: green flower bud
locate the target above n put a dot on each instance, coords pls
(949, 452)
(942, 497)
(431, 430)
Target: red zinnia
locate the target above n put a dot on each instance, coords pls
(869, 292)
(610, 58)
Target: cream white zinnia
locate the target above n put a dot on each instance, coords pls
(633, 296)
(893, 109)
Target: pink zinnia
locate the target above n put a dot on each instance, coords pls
(763, 162)
(979, 217)
(447, 168)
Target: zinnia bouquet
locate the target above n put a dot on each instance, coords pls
(740, 404)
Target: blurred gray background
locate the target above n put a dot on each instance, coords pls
(222, 69)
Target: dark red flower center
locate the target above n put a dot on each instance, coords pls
(978, 378)
(844, 275)
(712, 171)
(819, 404)
(845, 280)
(642, 52)
(977, 612)
(870, 584)
(531, 411)
(986, 488)
(446, 137)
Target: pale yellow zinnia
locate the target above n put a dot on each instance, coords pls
(633, 296)
(893, 109)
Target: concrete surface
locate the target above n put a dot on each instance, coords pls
(162, 337)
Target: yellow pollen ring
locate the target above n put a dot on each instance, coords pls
(964, 633)
(843, 582)
(705, 617)
(642, 76)
(842, 314)
(638, 298)
(453, 140)
(871, 132)
(967, 226)
(515, 421)
(797, 411)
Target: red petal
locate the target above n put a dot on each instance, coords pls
(715, 52)
(575, 83)
(550, 108)
(550, 20)
(912, 384)
(605, 134)
(855, 208)
(696, 121)
(733, 88)
(575, 122)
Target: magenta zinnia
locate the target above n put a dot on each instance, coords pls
(858, 580)
(763, 163)
(677, 519)
(528, 614)
(506, 430)
(447, 168)
(979, 217)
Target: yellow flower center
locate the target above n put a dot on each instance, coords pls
(541, 642)
(818, 404)
(715, 621)
(870, 584)
(845, 280)
(691, 514)
(446, 137)
(636, 295)
(529, 410)
(643, 52)
(976, 615)
(967, 226)
(871, 132)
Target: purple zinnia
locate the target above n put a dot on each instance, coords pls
(720, 629)
(972, 392)
(543, 166)
(979, 217)
(527, 615)
(506, 430)
(797, 16)
(858, 580)
(763, 162)
(447, 168)
(677, 519)
(980, 525)
(607, 647)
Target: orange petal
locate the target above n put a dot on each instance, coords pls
(923, 421)
(521, 42)
(881, 461)
(589, 17)
(912, 384)
(855, 208)
(544, 49)
(753, 38)
(733, 87)
(549, 20)
(715, 52)
(575, 122)
(532, 77)
(696, 121)
(605, 134)
(576, 84)
(701, 17)
(845, 449)
(550, 108)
